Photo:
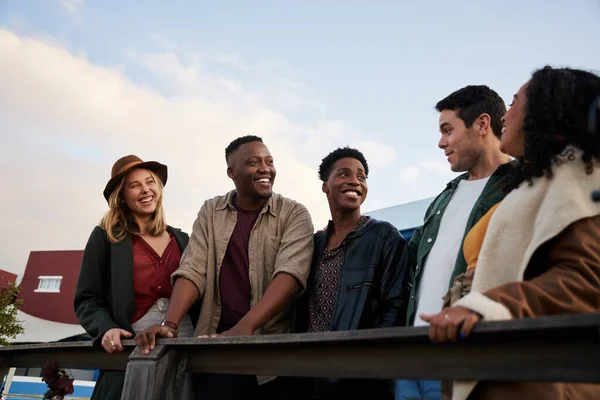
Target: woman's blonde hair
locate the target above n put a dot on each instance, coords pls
(119, 221)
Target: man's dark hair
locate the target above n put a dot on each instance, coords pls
(234, 145)
(557, 115)
(472, 101)
(342, 152)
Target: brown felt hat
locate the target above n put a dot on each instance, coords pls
(126, 164)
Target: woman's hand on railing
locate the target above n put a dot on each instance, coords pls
(146, 340)
(111, 341)
(446, 325)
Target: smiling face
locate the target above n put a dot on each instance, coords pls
(141, 192)
(513, 137)
(460, 144)
(252, 170)
(346, 185)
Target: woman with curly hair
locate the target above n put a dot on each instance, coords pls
(540, 254)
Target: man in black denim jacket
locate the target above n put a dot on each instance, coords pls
(357, 271)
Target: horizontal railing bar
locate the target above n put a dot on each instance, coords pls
(79, 358)
(490, 330)
(9, 396)
(564, 348)
(575, 362)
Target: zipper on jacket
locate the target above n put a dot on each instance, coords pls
(359, 285)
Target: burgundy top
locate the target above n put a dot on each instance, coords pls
(151, 273)
(234, 278)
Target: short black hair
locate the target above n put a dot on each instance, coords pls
(472, 101)
(235, 144)
(342, 152)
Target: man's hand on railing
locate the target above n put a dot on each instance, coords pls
(450, 324)
(146, 340)
(240, 329)
(111, 341)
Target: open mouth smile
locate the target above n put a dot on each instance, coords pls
(146, 200)
(352, 193)
(263, 181)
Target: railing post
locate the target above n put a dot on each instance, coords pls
(4, 367)
(158, 375)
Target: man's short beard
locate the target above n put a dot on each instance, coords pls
(264, 197)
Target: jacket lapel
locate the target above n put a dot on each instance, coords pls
(180, 237)
(121, 266)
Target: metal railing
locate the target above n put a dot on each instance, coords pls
(562, 348)
(36, 396)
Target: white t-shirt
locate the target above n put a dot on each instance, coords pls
(440, 262)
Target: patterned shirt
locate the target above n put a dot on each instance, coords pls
(324, 288)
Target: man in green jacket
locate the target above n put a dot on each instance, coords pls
(470, 125)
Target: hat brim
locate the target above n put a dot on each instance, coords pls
(156, 167)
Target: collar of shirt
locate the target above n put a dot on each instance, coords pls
(227, 202)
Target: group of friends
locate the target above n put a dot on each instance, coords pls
(514, 236)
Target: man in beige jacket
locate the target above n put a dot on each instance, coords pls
(249, 254)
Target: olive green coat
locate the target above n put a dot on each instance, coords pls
(104, 297)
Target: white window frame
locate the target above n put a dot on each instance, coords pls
(48, 284)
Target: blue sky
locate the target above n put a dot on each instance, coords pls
(94, 80)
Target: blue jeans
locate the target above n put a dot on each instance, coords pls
(418, 390)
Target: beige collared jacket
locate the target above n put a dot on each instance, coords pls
(280, 242)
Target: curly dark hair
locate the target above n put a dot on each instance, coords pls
(472, 101)
(235, 144)
(342, 152)
(556, 115)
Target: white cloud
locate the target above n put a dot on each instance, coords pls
(409, 174)
(378, 155)
(439, 167)
(74, 8)
(64, 121)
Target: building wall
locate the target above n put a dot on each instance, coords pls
(57, 307)
(406, 217)
(23, 385)
(6, 278)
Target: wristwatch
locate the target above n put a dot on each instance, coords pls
(171, 325)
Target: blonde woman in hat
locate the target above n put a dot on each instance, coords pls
(123, 285)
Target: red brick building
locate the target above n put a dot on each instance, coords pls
(6, 278)
(47, 290)
(48, 285)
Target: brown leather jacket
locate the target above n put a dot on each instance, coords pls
(563, 277)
